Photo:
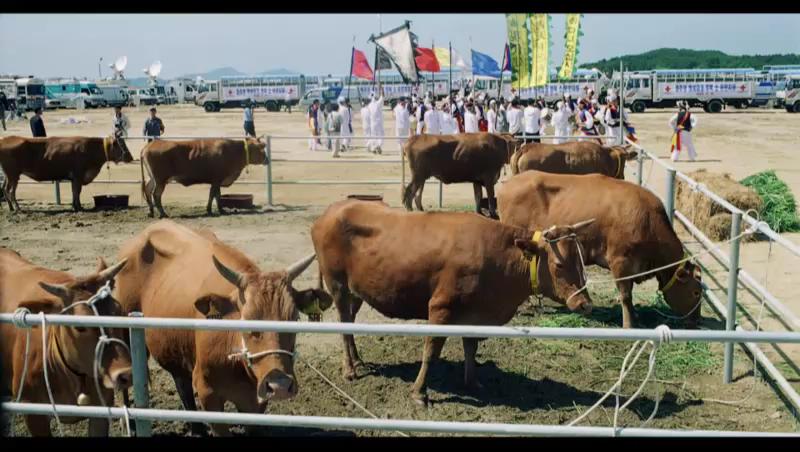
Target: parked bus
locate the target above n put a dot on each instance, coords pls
(30, 93)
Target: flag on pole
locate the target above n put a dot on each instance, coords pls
(361, 67)
(484, 65)
(540, 44)
(507, 66)
(426, 60)
(383, 61)
(399, 49)
(571, 36)
(442, 56)
(520, 49)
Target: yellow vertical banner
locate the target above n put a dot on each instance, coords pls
(540, 34)
(519, 44)
(571, 46)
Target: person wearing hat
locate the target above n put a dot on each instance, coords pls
(376, 120)
(532, 119)
(37, 124)
(471, 118)
(615, 119)
(402, 122)
(585, 121)
(366, 125)
(420, 115)
(432, 120)
(682, 124)
(249, 124)
(514, 117)
(153, 126)
(121, 124)
(346, 116)
(560, 122)
(491, 117)
(313, 124)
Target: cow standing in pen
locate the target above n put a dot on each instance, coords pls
(445, 267)
(78, 159)
(574, 157)
(217, 162)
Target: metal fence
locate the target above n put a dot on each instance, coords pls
(736, 275)
(143, 415)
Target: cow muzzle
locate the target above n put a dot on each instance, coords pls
(276, 385)
(121, 379)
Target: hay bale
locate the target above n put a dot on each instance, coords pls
(711, 218)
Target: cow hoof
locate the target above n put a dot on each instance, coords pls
(350, 374)
(421, 398)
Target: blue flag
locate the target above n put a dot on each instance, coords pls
(484, 65)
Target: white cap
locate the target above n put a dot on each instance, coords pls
(560, 104)
(340, 99)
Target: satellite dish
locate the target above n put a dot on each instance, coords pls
(154, 69)
(118, 66)
(199, 80)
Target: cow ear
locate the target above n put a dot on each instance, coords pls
(214, 306)
(46, 306)
(631, 154)
(527, 246)
(683, 275)
(313, 302)
(59, 290)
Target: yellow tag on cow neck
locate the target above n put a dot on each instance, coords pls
(674, 276)
(534, 263)
(620, 167)
(105, 150)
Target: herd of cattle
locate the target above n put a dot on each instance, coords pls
(444, 267)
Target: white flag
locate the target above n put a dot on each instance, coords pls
(458, 61)
(397, 45)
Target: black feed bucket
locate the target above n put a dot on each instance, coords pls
(110, 202)
(237, 201)
(366, 197)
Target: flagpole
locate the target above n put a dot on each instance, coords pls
(350, 74)
(450, 69)
(433, 76)
(500, 85)
(472, 86)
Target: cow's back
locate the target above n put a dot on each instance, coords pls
(577, 157)
(457, 158)
(208, 161)
(52, 158)
(626, 216)
(396, 260)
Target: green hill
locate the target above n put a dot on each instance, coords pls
(689, 59)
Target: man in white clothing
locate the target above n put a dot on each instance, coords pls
(532, 118)
(376, 120)
(471, 117)
(560, 122)
(366, 124)
(432, 117)
(401, 122)
(615, 117)
(514, 117)
(682, 123)
(346, 131)
(491, 116)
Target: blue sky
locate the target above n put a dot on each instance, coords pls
(71, 45)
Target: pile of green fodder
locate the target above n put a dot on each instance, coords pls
(779, 208)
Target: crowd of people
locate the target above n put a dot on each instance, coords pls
(526, 119)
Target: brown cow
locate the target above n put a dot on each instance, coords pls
(631, 233)
(208, 161)
(446, 267)
(470, 157)
(78, 159)
(574, 157)
(70, 350)
(175, 271)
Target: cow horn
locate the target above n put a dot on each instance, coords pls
(112, 271)
(582, 224)
(299, 267)
(59, 290)
(231, 275)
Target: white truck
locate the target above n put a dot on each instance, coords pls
(791, 96)
(114, 92)
(577, 87)
(271, 92)
(711, 89)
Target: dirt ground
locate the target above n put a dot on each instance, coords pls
(549, 382)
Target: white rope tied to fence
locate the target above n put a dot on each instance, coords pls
(342, 392)
(664, 337)
(46, 377)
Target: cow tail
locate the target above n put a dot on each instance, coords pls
(141, 165)
(514, 163)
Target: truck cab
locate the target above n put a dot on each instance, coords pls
(792, 94)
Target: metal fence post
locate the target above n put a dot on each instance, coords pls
(670, 200)
(402, 173)
(640, 170)
(269, 170)
(141, 393)
(57, 187)
(440, 193)
(733, 281)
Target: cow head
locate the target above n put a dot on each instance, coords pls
(257, 150)
(118, 149)
(560, 274)
(513, 145)
(626, 151)
(75, 346)
(267, 296)
(684, 291)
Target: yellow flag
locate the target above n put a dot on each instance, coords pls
(571, 46)
(519, 44)
(443, 55)
(540, 34)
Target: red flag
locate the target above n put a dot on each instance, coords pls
(426, 60)
(361, 67)
(507, 58)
